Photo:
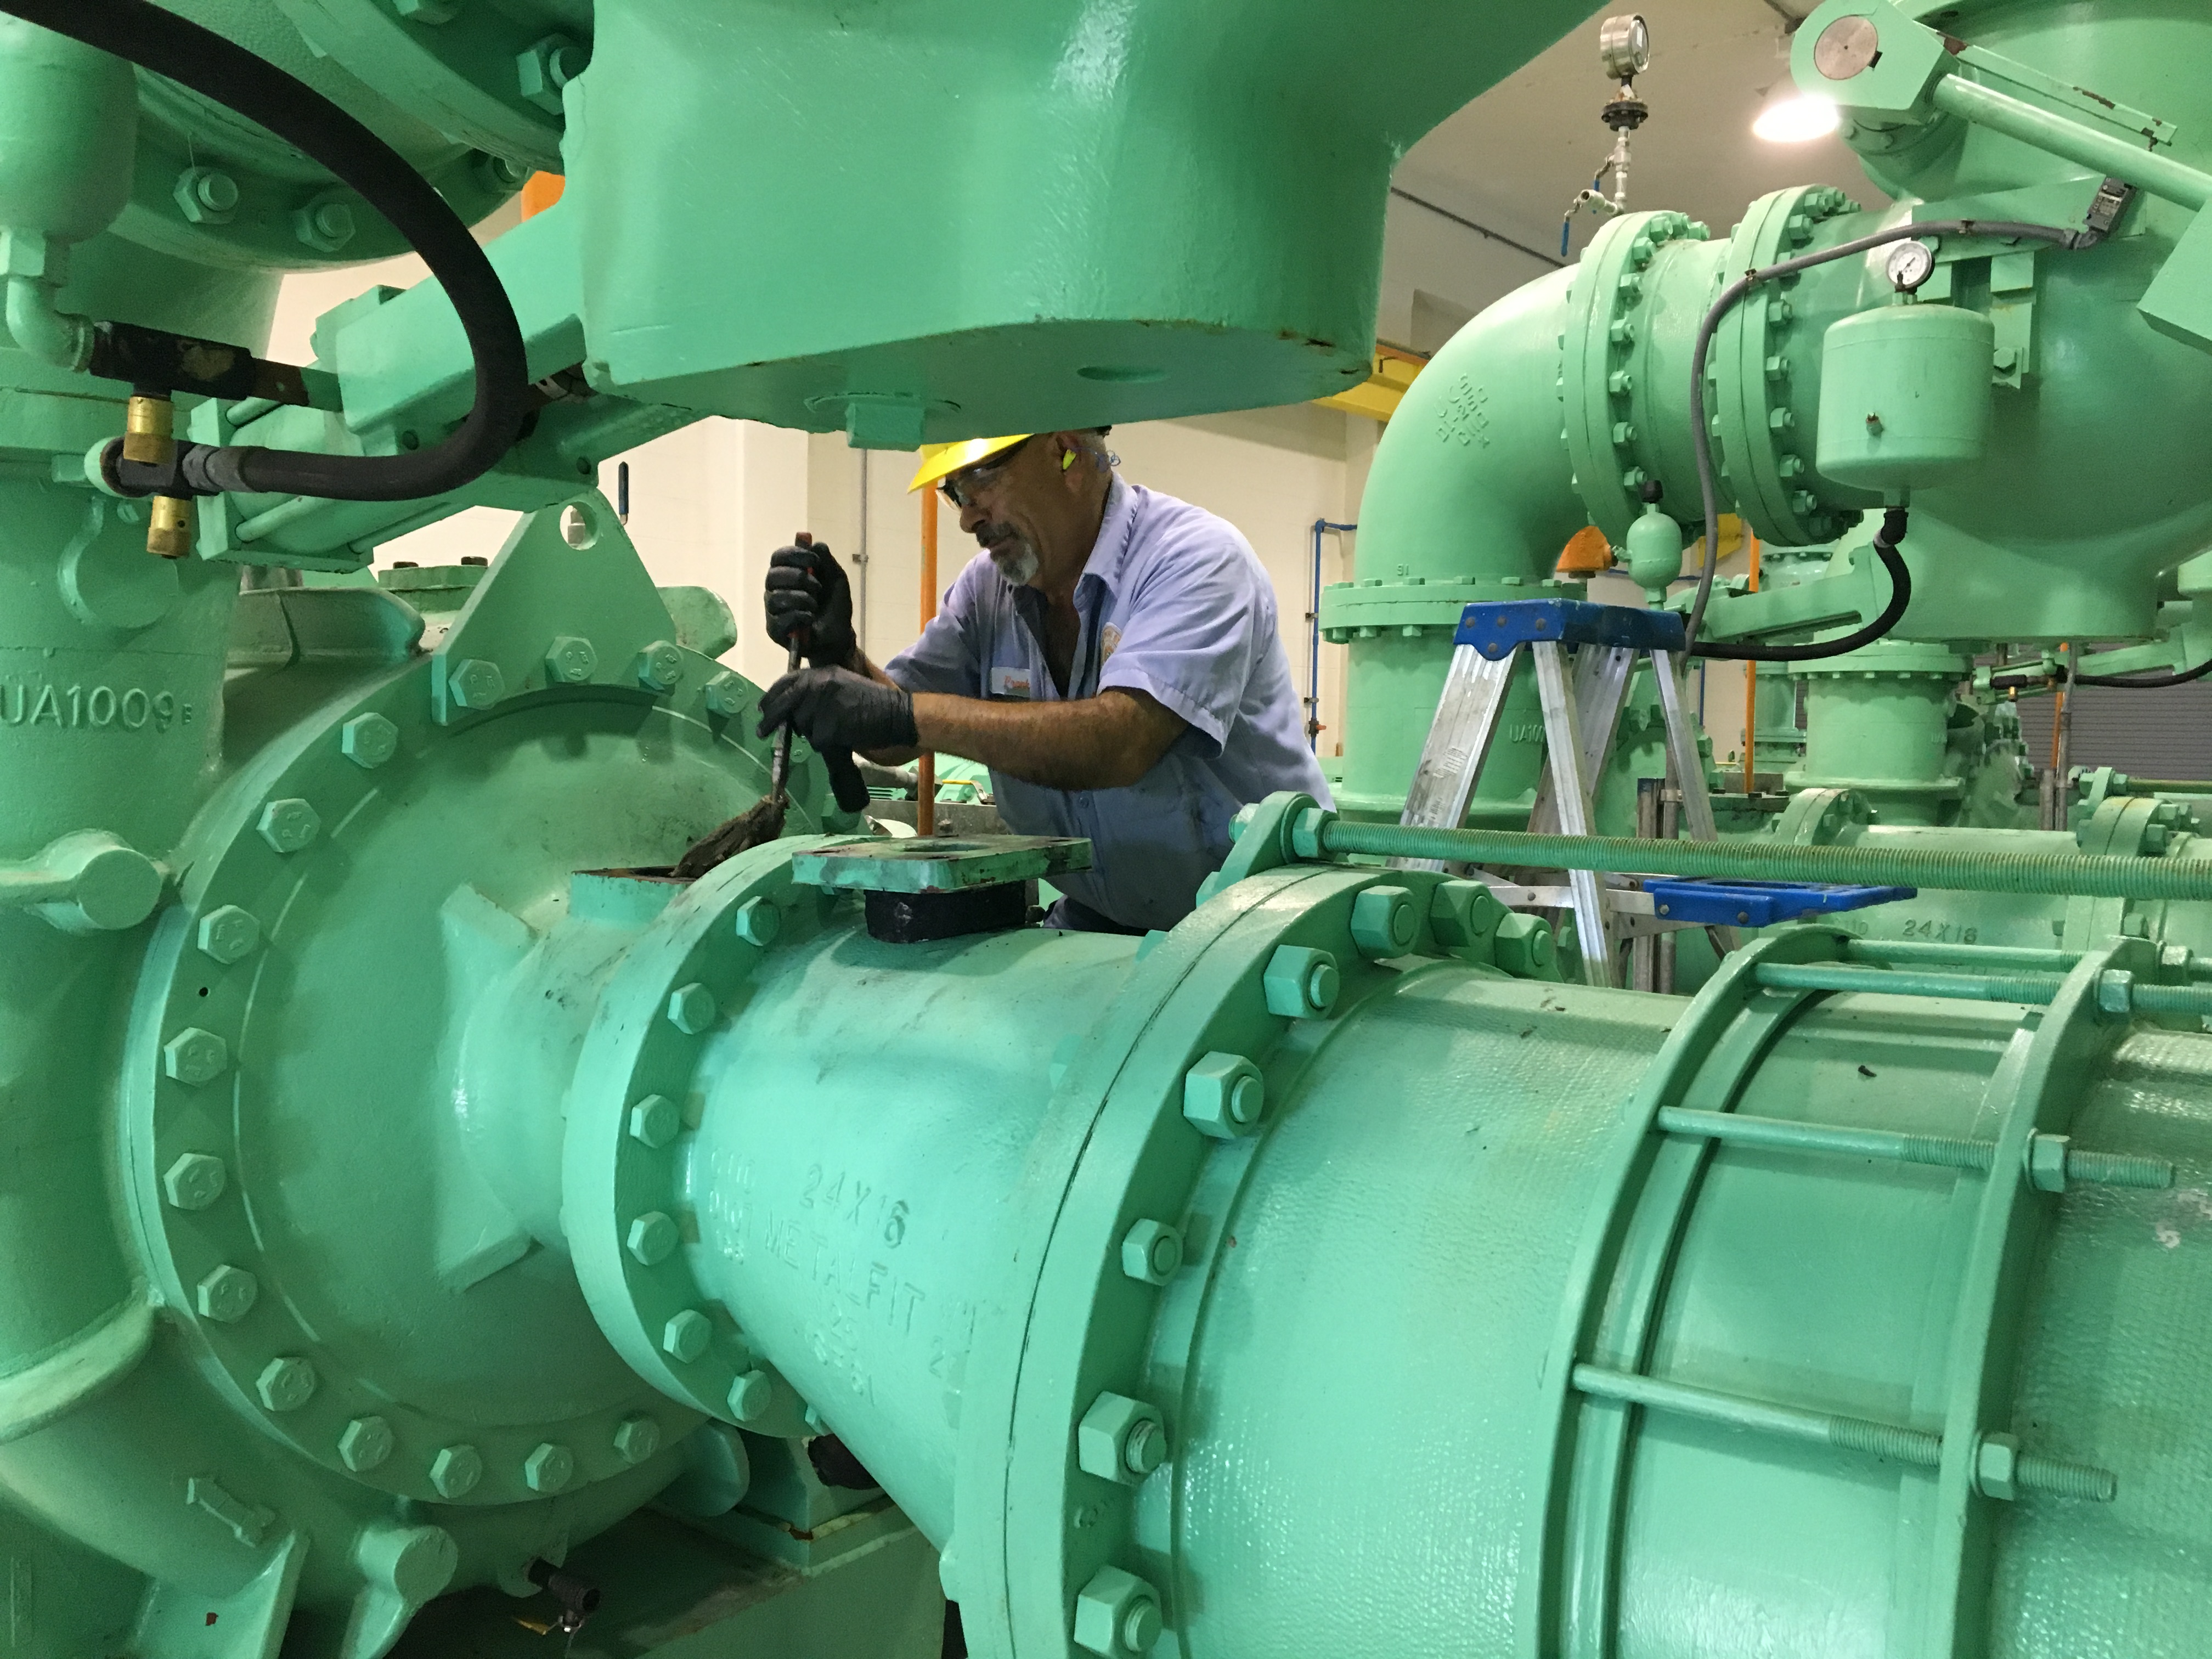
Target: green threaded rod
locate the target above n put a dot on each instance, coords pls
(2072, 874)
(2035, 989)
(1915, 1447)
(1938, 1152)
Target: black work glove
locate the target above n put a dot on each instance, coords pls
(837, 708)
(807, 590)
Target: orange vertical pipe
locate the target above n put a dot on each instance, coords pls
(1751, 680)
(925, 793)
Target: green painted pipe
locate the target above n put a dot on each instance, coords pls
(1992, 871)
(2101, 152)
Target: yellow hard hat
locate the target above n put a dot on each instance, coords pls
(941, 461)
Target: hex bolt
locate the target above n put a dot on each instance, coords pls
(472, 683)
(655, 1121)
(1464, 915)
(570, 660)
(1116, 1615)
(325, 224)
(1521, 945)
(366, 1444)
(1120, 1439)
(653, 1238)
(194, 1181)
(692, 1009)
(759, 921)
(548, 1469)
(286, 1384)
(750, 1395)
(1300, 982)
(1224, 1095)
(686, 1335)
(193, 1056)
(368, 741)
(1151, 1251)
(545, 68)
(636, 1438)
(660, 666)
(456, 1470)
(728, 696)
(206, 196)
(289, 825)
(226, 1294)
(229, 934)
(1384, 922)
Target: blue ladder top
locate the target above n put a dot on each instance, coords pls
(1496, 629)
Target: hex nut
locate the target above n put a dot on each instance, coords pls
(472, 683)
(1384, 922)
(1116, 1615)
(548, 1469)
(655, 1121)
(750, 1395)
(659, 666)
(1996, 1467)
(692, 1009)
(286, 1384)
(759, 921)
(289, 825)
(728, 696)
(1300, 982)
(1521, 945)
(1151, 1251)
(1224, 1095)
(325, 224)
(456, 1470)
(368, 741)
(636, 1438)
(686, 1335)
(652, 1238)
(226, 1294)
(548, 66)
(1464, 915)
(194, 1181)
(193, 1056)
(1120, 1439)
(570, 660)
(229, 934)
(367, 1443)
(206, 196)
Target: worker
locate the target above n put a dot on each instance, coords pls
(1112, 656)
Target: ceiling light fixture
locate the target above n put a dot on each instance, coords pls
(1791, 117)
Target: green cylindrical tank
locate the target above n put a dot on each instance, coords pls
(1905, 396)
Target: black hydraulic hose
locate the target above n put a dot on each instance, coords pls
(1701, 433)
(2118, 682)
(167, 45)
(1893, 521)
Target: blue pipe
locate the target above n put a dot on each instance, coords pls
(1322, 527)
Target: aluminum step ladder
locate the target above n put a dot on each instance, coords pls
(1580, 720)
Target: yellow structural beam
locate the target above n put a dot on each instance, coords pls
(1378, 396)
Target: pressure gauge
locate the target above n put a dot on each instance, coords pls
(1911, 265)
(1624, 47)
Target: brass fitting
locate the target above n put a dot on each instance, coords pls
(169, 533)
(149, 431)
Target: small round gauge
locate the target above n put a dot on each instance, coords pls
(1624, 47)
(1911, 265)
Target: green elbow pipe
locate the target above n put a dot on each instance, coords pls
(1472, 497)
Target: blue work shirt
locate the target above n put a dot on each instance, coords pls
(1174, 604)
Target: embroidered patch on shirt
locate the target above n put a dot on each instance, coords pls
(1011, 683)
(1109, 637)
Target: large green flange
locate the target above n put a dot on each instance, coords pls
(631, 1114)
(270, 1103)
(1077, 1398)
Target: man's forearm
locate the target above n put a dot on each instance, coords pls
(1105, 742)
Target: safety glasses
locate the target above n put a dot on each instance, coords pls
(966, 487)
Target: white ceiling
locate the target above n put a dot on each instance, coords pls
(1514, 157)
